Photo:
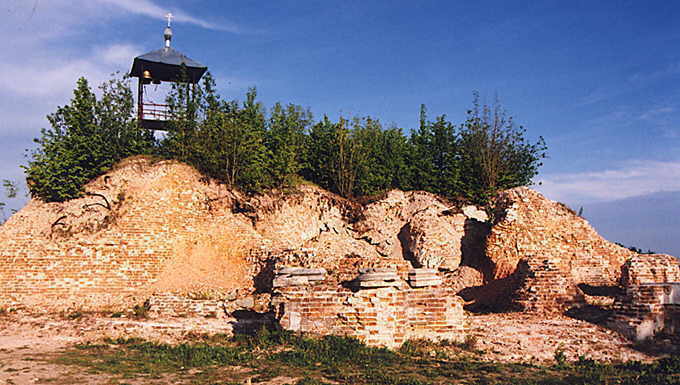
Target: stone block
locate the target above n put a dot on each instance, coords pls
(373, 284)
(378, 277)
(422, 271)
(300, 271)
(287, 281)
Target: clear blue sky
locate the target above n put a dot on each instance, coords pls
(599, 80)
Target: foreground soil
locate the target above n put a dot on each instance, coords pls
(81, 348)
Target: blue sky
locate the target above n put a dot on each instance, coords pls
(600, 81)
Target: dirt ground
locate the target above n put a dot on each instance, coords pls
(29, 342)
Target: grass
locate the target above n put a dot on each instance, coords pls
(333, 359)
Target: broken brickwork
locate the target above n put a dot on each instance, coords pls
(385, 315)
(651, 301)
(548, 252)
(144, 227)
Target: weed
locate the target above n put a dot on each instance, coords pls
(310, 381)
(469, 343)
(418, 347)
(560, 358)
(142, 311)
(334, 350)
(123, 340)
(117, 314)
(332, 359)
(75, 315)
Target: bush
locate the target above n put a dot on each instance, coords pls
(87, 137)
(247, 149)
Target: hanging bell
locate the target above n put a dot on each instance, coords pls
(146, 74)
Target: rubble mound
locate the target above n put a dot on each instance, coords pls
(549, 252)
(143, 227)
(151, 227)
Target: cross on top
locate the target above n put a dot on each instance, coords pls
(169, 16)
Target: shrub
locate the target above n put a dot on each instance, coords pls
(87, 137)
(142, 311)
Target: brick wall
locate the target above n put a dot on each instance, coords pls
(385, 316)
(647, 310)
(651, 302)
(550, 250)
(79, 255)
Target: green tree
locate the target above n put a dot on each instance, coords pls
(422, 158)
(495, 154)
(11, 192)
(223, 140)
(87, 137)
(445, 158)
(320, 153)
(285, 141)
(348, 160)
(435, 156)
(384, 165)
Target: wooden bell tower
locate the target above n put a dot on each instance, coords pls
(162, 65)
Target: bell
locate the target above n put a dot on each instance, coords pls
(146, 74)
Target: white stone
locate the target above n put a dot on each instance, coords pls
(300, 271)
(378, 277)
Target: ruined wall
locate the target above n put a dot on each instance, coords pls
(149, 224)
(549, 251)
(384, 316)
(647, 310)
(650, 268)
(649, 306)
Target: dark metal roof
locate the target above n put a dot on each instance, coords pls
(165, 65)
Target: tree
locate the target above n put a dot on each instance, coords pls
(495, 153)
(348, 161)
(285, 140)
(385, 164)
(320, 148)
(223, 140)
(11, 191)
(436, 158)
(87, 137)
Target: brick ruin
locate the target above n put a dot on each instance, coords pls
(378, 307)
(650, 303)
(404, 265)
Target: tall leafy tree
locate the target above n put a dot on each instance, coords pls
(224, 140)
(422, 158)
(86, 138)
(285, 141)
(445, 177)
(320, 153)
(348, 160)
(385, 157)
(495, 153)
(435, 156)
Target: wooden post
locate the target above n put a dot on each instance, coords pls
(140, 100)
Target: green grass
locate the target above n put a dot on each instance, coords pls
(333, 359)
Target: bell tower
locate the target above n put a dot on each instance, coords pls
(162, 65)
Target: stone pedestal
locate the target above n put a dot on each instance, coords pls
(374, 278)
(423, 277)
(297, 276)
